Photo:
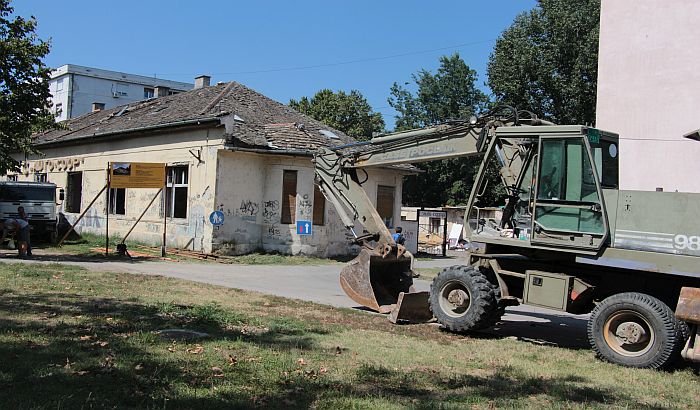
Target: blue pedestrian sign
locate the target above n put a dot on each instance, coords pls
(216, 218)
(304, 227)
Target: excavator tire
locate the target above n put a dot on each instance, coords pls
(636, 330)
(463, 299)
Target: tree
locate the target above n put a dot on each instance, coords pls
(349, 113)
(24, 89)
(547, 61)
(448, 94)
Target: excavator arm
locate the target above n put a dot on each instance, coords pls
(383, 269)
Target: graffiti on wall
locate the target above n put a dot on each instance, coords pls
(277, 234)
(304, 207)
(248, 210)
(271, 211)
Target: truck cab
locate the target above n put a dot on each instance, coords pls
(38, 200)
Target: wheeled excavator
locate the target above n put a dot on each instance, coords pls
(569, 238)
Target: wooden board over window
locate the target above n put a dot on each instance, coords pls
(289, 197)
(319, 206)
(385, 204)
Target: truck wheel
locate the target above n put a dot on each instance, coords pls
(635, 330)
(462, 298)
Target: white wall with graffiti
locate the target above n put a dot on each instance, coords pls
(249, 193)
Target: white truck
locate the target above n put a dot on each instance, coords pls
(39, 202)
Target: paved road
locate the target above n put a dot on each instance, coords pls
(320, 284)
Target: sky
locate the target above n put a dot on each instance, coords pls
(283, 49)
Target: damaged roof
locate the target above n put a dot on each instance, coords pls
(255, 121)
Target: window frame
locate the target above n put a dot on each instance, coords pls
(71, 201)
(389, 222)
(288, 214)
(114, 195)
(319, 207)
(171, 189)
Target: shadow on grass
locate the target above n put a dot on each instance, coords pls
(504, 386)
(70, 351)
(81, 257)
(551, 329)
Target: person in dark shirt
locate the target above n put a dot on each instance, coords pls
(20, 229)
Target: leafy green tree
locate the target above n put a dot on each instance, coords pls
(350, 113)
(448, 94)
(547, 61)
(24, 89)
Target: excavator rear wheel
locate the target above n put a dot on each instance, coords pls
(635, 330)
(462, 299)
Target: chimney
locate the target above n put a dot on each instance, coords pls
(160, 91)
(98, 106)
(201, 81)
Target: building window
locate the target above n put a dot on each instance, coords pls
(148, 92)
(117, 201)
(74, 192)
(289, 197)
(40, 177)
(385, 204)
(59, 84)
(319, 207)
(173, 92)
(12, 177)
(435, 225)
(120, 90)
(176, 191)
(58, 109)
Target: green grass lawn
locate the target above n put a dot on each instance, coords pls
(70, 338)
(428, 273)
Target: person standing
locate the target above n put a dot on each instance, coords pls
(20, 229)
(398, 236)
(23, 216)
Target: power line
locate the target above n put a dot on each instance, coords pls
(654, 139)
(339, 63)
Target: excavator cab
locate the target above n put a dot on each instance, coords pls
(555, 176)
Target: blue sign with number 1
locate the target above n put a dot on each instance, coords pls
(304, 227)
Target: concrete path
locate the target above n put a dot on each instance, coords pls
(319, 283)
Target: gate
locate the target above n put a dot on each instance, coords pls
(432, 232)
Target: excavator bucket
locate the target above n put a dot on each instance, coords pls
(412, 308)
(375, 279)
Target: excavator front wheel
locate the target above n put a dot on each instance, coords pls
(462, 298)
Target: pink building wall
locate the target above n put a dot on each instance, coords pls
(649, 90)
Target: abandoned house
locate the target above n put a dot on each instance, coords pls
(226, 148)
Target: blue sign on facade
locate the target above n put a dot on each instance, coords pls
(216, 218)
(304, 227)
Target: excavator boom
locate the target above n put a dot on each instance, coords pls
(383, 270)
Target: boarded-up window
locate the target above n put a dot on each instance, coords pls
(289, 197)
(385, 204)
(74, 192)
(319, 207)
